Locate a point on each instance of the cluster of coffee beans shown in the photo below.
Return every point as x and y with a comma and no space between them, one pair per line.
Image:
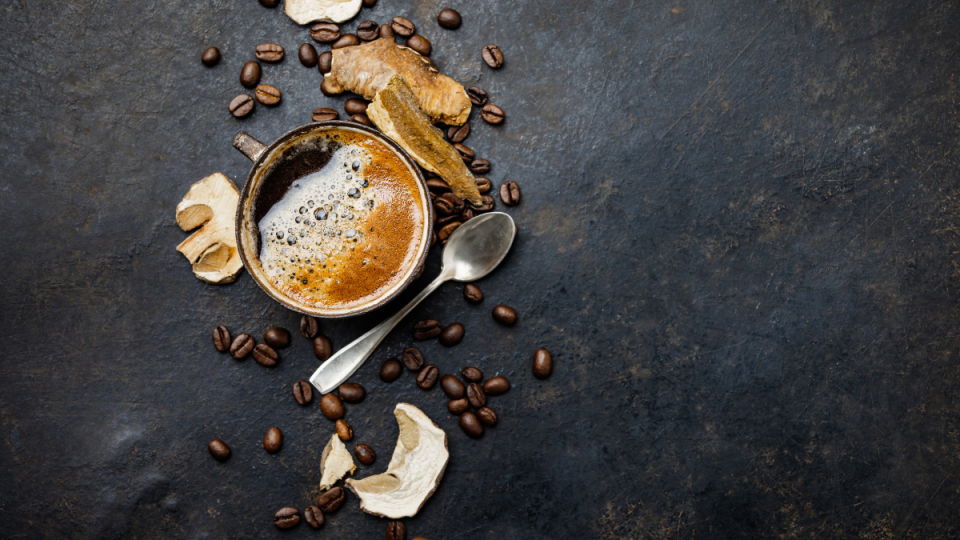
244,344
328,501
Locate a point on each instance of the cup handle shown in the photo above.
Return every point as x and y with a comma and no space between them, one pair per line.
248,146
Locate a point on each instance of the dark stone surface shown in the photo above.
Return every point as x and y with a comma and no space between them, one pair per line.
737,236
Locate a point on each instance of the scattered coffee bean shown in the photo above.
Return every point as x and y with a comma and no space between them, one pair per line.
427,376
487,204
273,440
471,425
449,19
472,293
368,31
390,370
467,215
303,392
510,193
313,516
355,106
325,32
241,106
472,374
269,52
466,153
492,114
322,348
326,91
331,407
346,40
403,27
492,56
265,355
447,230
457,406
218,449
308,55
458,134
443,207
442,221
269,3
361,119
286,518
480,166
504,315
369,3
452,387
483,184
344,431
331,499
210,57
496,385
477,96
266,94
487,416
475,395
324,114
396,531
250,74
458,203
276,337
242,345
364,454
433,238
426,329
452,335
420,44
309,327
351,392
386,32
412,358
324,62
542,364
221,338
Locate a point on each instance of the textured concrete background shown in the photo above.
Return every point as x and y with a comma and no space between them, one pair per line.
738,235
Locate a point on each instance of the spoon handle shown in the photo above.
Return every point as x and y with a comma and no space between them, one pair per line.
340,366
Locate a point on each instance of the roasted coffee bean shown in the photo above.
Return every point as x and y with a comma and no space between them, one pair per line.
452,334
487,416
477,96
447,230
420,44
221,338
480,166
458,134
449,19
303,392
458,203
273,440
487,204
351,392
346,40
472,293
457,406
472,374
390,370
269,52
466,153
496,385
427,376
269,3
355,106
542,364
475,395
313,516
442,221
426,329
386,32
368,31
412,358
510,193
324,62
242,346
443,207
309,327
471,425
276,337
483,184
324,114
241,106
266,94
452,387
210,57
344,431
504,315
492,114
364,454
361,119
286,518
369,3
325,32
331,499
467,215
265,355
218,449
433,238
396,531
250,74
492,56
326,91
322,348
403,27
331,407
308,55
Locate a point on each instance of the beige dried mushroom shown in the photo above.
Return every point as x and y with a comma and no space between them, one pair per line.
335,463
211,202
308,11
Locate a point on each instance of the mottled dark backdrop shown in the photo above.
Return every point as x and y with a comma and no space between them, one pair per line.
738,236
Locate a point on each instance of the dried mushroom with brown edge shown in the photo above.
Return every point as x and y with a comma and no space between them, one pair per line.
308,11
212,203
415,469
335,463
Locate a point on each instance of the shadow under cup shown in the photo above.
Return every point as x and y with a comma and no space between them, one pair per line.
334,219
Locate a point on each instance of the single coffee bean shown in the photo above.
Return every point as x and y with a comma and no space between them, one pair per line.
472,374
386,31
426,329
269,3
452,334
446,231
487,416
442,220
403,27
286,518
218,449
504,315
368,31
458,406
273,440
361,119
346,40
241,106
242,345
322,348
221,338
492,56
303,392
351,392
313,516
467,215
475,395
443,207
510,193
466,153
369,3
331,499
265,355
483,184
480,166
344,431
308,55
324,62
420,44
472,293
477,96
276,337
471,425
458,203
449,19
458,134
355,106
331,407
324,114
433,238
250,74
496,385
427,376
396,531
390,370
266,94
452,387
487,204
492,114
325,32
412,358
364,454
326,91
269,52
542,363
210,57
309,327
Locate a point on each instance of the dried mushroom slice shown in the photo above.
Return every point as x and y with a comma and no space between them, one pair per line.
308,11
335,463
212,203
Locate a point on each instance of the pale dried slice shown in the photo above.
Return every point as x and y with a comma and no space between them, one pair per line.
414,472
395,111
211,202
308,11
335,463
366,69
